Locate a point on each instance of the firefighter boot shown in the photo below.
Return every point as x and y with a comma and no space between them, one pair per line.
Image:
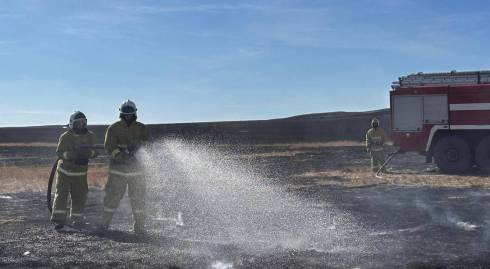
106,221
139,224
78,222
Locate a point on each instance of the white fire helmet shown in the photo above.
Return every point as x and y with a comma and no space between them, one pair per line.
375,122
128,107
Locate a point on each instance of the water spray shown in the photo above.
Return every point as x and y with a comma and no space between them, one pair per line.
225,199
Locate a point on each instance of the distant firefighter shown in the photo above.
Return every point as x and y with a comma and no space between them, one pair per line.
71,176
122,140
375,140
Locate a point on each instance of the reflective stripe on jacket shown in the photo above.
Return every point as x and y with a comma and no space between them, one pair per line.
375,139
126,174
70,141
120,136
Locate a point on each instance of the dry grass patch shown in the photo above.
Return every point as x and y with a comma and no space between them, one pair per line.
27,145
352,177
315,145
289,153
438,180
19,179
331,144
292,149
363,176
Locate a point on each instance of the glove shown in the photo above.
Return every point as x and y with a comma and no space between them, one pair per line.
70,155
82,156
124,157
134,146
86,153
118,157
130,158
81,161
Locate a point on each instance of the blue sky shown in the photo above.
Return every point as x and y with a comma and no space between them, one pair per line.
188,61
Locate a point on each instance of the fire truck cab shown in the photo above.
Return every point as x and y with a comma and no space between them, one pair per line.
444,116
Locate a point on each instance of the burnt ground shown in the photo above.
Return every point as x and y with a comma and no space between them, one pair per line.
450,230
403,225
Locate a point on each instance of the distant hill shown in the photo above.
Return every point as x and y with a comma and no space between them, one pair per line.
302,128
340,115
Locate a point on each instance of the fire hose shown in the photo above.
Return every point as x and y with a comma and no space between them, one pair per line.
53,172
388,160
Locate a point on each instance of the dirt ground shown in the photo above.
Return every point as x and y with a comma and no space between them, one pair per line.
410,218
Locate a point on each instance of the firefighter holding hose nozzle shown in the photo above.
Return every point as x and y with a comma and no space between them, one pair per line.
122,141
375,140
71,171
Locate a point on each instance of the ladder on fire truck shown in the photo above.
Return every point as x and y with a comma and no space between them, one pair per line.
450,78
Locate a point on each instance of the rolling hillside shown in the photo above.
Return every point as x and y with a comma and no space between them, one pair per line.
302,128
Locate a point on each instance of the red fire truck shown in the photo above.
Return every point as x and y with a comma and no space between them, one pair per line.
444,116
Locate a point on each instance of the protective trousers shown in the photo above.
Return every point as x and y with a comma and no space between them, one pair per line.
77,187
377,159
114,192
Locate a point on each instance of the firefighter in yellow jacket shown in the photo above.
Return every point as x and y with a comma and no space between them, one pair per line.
375,140
71,177
122,141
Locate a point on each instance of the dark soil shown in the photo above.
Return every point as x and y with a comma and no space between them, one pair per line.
403,227
420,228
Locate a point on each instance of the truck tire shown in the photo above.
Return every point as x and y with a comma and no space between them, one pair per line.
453,155
482,155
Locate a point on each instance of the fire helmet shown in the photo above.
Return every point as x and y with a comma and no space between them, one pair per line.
128,107
77,116
375,123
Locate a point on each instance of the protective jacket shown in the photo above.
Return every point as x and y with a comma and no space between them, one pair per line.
375,139
73,156
121,143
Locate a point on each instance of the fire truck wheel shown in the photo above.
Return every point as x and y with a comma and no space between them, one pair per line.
482,155
453,155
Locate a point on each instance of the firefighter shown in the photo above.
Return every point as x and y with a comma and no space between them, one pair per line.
122,141
375,140
71,174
